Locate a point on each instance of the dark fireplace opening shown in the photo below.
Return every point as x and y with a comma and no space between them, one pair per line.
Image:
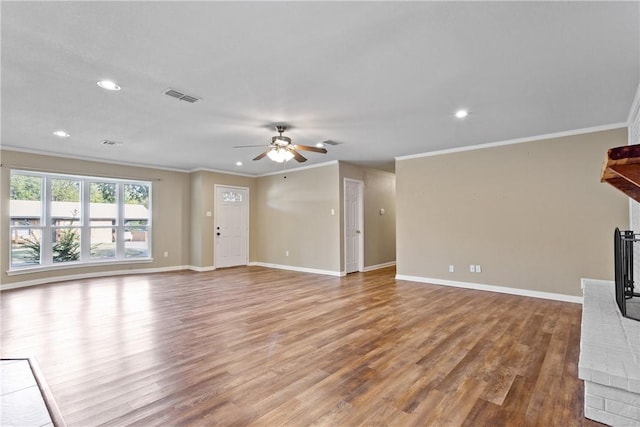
628,300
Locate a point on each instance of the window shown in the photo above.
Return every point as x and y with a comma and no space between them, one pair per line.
67,220
102,212
232,196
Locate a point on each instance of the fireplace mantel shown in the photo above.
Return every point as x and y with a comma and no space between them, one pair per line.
622,170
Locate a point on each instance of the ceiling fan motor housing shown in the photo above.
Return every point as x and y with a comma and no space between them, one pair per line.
280,140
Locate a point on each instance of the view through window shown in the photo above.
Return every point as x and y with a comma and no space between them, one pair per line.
58,219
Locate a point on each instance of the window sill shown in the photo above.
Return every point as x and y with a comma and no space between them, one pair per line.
68,265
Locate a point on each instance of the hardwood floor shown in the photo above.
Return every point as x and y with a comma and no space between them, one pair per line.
255,346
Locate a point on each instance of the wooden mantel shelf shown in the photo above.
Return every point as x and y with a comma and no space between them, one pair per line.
622,170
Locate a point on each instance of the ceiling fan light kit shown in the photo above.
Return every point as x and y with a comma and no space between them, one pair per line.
280,155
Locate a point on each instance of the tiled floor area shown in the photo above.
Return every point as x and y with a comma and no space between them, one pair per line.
21,403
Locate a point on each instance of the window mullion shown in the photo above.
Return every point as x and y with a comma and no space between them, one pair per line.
85,230
46,240
120,222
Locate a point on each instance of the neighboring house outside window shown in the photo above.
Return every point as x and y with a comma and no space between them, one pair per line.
75,220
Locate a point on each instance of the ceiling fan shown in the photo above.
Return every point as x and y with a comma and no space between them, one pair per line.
282,150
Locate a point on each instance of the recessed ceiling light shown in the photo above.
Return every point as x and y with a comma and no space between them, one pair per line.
320,145
61,134
108,85
238,163
461,114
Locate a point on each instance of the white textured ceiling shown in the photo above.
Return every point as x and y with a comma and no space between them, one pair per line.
383,78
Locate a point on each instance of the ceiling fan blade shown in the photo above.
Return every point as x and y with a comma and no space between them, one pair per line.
299,157
262,155
307,148
246,146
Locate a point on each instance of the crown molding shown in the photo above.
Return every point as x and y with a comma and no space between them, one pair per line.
90,159
515,141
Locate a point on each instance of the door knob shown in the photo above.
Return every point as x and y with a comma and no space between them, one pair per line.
218,233
357,231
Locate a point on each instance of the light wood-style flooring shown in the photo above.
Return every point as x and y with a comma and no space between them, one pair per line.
263,347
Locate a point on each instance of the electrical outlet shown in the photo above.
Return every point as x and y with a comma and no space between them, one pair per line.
451,269
286,253
472,268
166,254
478,269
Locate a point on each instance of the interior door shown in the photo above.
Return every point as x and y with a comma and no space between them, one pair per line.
231,226
353,225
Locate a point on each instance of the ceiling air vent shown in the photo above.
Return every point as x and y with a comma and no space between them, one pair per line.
181,96
110,143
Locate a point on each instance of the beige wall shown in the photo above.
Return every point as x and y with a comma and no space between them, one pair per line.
534,215
202,200
379,230
294,214
198,220
170,210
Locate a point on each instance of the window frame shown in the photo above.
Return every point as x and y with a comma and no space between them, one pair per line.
84,224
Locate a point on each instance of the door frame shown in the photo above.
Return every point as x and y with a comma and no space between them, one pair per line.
216,188
360,215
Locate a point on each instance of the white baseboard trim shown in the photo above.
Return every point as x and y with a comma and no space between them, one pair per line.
93,274
201,269
300,269
379,266
492,288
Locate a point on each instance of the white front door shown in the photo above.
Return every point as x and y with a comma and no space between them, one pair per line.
353,225
231,226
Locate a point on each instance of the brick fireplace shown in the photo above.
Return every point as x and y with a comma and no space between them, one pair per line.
609,358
